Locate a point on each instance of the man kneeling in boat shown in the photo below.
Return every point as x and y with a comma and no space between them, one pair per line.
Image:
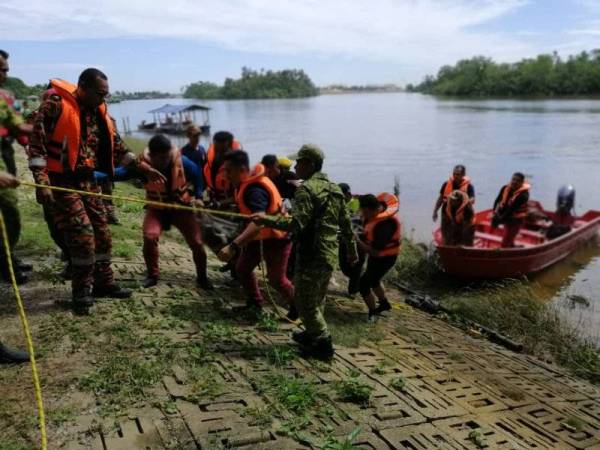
457,225
179,184
510,208
381,241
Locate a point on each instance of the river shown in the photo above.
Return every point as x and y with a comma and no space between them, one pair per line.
369,139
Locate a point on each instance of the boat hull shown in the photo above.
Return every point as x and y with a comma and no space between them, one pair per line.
494,263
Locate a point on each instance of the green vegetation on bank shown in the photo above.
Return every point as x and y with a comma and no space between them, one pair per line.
545,75
20,89
256,85
509,307
141,95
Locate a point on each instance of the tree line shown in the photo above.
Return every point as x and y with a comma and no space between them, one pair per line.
545,75
21,90
256,85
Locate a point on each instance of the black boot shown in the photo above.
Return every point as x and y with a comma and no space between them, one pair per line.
384,305
321,349
353,285
11,356
67,272
21,265
204,283
292,314
301,337
20,276
150,282
112,291
373,315
82,301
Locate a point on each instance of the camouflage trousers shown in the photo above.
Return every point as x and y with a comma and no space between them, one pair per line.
107,188
12,220
310,289
83,220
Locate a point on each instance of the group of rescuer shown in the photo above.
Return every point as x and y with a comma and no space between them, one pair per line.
72,144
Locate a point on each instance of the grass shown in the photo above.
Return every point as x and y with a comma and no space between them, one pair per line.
399,383
512,309
332,443
354,390
509,307
122,380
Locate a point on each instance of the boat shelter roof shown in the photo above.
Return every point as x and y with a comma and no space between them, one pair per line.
174,109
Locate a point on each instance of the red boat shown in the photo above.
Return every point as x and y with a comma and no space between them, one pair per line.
533,251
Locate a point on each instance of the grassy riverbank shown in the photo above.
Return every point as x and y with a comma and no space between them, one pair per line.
509,307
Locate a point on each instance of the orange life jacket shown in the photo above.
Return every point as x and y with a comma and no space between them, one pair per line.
258,177
392,248
449,188
178,191
67,132
220,182
459,215
521,213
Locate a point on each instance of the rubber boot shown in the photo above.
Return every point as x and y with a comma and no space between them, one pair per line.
22,265
301,337
12,356
20,276
384,305
150,282
82,301
292,314
204,283
67,272
321,349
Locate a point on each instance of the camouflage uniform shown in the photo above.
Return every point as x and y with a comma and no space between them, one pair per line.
319,213
9,120
83,218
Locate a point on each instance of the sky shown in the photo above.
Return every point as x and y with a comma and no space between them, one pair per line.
143,45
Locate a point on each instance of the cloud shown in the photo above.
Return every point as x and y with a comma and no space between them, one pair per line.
415,32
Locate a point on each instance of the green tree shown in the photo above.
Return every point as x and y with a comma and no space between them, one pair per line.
256,84
545,75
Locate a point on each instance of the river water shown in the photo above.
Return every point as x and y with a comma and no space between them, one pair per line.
371,139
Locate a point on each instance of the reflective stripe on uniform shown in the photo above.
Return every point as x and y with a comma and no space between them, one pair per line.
37,162
82,261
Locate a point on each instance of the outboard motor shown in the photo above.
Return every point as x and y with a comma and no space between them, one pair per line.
564,216
565,201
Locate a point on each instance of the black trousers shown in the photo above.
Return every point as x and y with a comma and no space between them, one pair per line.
376,270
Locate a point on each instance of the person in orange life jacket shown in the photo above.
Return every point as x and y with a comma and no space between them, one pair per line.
217,185
353,272
381,242
458,228
286,181
73,136
178,184
510,208
256,193
457,181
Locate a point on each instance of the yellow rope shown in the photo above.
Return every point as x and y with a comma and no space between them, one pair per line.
24,323
214,212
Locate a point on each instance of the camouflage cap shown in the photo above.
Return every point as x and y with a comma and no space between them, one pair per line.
311,152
